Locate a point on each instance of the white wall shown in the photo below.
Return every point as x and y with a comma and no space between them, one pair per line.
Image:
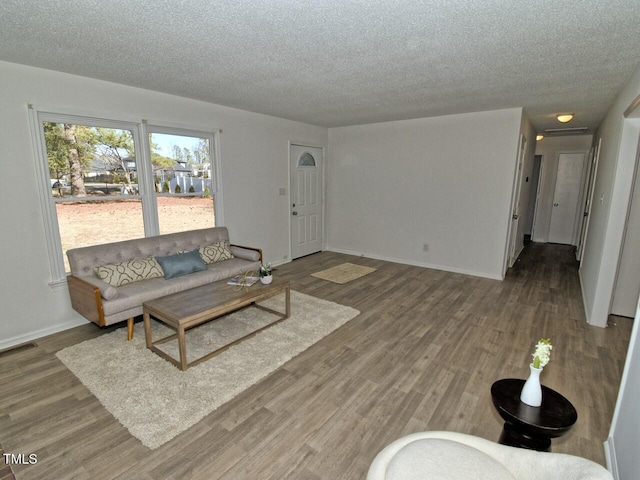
445,181
621,448
610,201
550,148
598,269
627,288
254,166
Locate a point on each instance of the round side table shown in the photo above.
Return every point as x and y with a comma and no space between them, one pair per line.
531,427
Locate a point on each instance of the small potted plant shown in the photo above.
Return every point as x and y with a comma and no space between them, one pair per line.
265,272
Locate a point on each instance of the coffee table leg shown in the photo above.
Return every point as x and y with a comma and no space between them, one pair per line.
182,348
147,329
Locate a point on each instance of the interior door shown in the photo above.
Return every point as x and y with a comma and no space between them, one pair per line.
566,198
306,200
591,183
515,247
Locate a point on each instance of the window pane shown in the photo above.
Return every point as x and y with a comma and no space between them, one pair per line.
306,160
177,214
90,160
183,181
92,223
87,164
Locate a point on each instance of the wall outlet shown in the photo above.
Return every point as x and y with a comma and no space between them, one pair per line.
425,247
283,191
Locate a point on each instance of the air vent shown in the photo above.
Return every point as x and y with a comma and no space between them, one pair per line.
566,131
17,349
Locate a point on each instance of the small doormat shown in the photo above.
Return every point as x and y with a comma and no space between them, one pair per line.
343,273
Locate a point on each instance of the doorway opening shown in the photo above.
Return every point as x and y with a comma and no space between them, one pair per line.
534,197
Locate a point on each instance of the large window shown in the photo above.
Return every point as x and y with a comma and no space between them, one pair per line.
104,181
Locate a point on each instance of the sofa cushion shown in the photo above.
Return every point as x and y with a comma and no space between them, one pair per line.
446,460
181,264
129,272
82,260
132,296
216,252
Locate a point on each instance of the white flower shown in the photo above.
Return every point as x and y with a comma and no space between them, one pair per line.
542,354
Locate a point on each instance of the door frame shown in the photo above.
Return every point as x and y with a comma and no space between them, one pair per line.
323,193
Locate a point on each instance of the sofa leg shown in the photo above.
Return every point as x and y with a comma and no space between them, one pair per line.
130,328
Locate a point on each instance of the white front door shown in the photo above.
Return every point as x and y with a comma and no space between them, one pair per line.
566,198
306,200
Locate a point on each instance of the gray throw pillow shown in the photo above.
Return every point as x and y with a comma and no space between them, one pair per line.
181,264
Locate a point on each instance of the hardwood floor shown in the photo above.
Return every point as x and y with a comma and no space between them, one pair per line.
422,355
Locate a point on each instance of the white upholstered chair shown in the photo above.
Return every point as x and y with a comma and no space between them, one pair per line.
451,455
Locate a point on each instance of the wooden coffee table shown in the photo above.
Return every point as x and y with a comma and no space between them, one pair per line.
190,308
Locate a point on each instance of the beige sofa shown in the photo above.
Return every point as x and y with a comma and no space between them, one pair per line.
453,455
105,304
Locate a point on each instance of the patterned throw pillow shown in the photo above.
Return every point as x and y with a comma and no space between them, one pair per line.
129,272
216,252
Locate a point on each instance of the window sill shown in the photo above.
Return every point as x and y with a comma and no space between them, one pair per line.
58,285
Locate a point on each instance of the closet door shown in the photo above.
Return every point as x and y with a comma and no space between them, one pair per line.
569,180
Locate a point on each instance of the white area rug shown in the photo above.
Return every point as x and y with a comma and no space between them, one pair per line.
155,401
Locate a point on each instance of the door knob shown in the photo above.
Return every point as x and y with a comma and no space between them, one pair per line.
555,204
294,213
515,216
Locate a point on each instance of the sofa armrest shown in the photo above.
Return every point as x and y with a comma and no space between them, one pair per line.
86,299
107,291
247,253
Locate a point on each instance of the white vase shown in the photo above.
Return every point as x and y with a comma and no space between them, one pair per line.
266,280
532,391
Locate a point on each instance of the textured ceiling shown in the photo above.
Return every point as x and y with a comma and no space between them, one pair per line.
341,62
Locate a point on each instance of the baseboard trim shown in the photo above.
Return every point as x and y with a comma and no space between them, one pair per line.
610,456
417,264
27,337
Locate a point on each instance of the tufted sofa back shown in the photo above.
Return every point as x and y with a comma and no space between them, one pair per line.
83,259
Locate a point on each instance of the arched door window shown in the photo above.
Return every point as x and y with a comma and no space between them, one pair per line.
306,160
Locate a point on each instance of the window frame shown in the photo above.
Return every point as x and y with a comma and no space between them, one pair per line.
216,184
146,193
